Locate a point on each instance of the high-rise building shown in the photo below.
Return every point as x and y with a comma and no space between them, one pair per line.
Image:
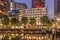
18,6
38,3
12,5
3,8
53,7
35,13
58,5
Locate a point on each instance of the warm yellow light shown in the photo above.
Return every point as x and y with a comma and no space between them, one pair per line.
16,27
10,37
12,34
0,11
13,27
22,27
16,34
22,34
58,18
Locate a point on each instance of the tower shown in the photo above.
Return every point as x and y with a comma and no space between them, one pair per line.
58,5
10,4
38,3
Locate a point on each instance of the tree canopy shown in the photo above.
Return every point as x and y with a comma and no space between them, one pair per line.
24,20
32,21
14,21
46,21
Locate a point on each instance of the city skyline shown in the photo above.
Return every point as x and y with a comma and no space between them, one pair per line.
29,20
48,3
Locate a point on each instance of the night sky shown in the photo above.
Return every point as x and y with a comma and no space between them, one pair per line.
48,3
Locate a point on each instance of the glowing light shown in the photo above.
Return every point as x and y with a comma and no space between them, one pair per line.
16,34
12,34
0,11
58,18
13,27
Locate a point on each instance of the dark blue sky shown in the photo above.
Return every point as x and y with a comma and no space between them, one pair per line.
48,3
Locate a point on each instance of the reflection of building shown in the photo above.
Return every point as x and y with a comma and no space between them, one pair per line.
38,3
36,13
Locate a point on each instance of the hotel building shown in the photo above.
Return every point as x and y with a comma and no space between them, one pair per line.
35,12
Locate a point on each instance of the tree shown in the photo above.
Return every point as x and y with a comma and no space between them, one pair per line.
5,21
14,21
46,21
24,20
1,15
32,21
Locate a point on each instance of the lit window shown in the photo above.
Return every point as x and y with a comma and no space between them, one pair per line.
11,4
11,8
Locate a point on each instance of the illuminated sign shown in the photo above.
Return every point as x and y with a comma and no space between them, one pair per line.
38,3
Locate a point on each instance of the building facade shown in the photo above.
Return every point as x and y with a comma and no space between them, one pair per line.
53,7
35,13
58,5
19,6
38,3
12,5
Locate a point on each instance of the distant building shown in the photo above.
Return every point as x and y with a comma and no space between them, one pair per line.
12,5
53,8
58,5
9,4
38,3
35,13
19,6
